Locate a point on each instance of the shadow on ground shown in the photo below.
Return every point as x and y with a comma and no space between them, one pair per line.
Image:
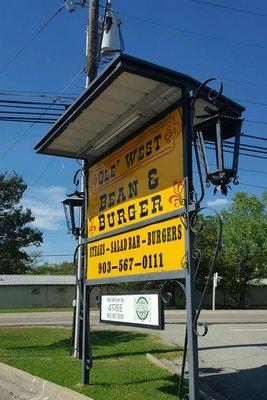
247,384
101,339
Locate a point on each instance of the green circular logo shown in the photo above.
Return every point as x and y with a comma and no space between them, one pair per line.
142,308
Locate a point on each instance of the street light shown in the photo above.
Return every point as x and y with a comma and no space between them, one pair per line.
218,129
73,205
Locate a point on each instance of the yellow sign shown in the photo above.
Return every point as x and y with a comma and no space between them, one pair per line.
138,183
156,248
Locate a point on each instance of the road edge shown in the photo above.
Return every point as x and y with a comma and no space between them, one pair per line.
21,383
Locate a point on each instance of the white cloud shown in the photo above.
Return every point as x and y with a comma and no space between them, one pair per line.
46,207
217,202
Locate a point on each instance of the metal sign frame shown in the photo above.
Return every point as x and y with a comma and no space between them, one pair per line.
194,99
161,319
176,213
186,274
185,277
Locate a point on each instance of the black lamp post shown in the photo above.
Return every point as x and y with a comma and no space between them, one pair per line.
73,205
218,129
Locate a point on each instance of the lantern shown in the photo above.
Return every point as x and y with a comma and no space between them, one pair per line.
218,129
73,207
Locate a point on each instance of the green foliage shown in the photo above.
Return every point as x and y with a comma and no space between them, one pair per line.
244,244
206,242
16,234
64,268
120,367
244,247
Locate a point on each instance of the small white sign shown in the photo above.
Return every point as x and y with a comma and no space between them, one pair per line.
132,309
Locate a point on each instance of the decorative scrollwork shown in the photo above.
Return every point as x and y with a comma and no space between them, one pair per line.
170,133
201,184
184,219
212,263
196,254
235,181
178,198
202,325
213,95
185,396
195,224
184,261
76,179
147,285
100,289
200,329
167,296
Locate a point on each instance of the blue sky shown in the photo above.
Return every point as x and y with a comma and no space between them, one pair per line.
185,35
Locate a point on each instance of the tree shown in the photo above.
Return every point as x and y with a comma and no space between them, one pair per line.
15,233
244,244
243,257
206,243
64,268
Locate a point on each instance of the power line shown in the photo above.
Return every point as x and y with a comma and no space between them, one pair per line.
28,120
243,154
242,169
251,102
31,103
250,147
250,155
39,176
252,170
8,103
29,93
242,10
27,107
44,25
34,122
255,122
254,186
188,32
241,183
254,137
244,82
56,255
28,113
243,146
24,111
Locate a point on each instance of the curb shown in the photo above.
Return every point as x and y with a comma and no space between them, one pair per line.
25,385
206,391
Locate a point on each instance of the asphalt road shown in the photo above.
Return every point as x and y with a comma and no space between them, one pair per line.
232,356
64,318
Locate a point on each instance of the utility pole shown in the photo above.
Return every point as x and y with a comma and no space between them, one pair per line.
91,71
92,49
92,42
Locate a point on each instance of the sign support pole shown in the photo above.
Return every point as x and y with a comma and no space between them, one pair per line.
86,361
192,341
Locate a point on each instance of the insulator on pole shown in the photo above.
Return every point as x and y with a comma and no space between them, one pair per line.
70,4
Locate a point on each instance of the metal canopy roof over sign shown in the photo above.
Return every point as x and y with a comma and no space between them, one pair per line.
125,97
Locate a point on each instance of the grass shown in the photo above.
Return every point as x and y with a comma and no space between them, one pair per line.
32,309
120,368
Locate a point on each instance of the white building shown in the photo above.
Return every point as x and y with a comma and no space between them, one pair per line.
22,291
